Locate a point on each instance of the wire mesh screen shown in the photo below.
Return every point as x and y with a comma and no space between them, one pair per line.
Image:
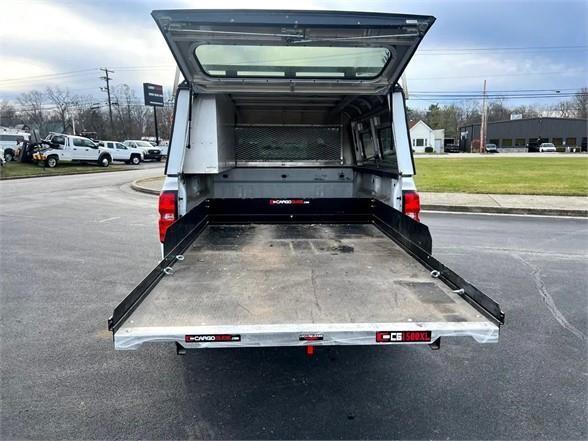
287,143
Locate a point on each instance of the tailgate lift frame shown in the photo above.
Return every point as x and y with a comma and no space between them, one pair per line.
412,236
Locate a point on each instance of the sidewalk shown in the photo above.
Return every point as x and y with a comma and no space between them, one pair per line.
506,203
148,185
464,202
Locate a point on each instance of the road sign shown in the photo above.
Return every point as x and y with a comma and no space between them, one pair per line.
153,94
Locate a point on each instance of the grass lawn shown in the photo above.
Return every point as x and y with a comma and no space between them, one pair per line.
503,175
15,169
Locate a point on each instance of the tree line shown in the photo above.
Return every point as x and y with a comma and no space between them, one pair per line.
451,117
56,109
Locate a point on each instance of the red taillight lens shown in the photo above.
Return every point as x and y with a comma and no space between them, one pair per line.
411,205
168,212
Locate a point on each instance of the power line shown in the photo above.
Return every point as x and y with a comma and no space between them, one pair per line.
15,82
561,72
145,66
505,98
43,76
553,89
450,51
583,46
498,95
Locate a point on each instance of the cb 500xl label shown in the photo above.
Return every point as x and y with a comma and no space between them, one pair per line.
288,202
212,338
403,336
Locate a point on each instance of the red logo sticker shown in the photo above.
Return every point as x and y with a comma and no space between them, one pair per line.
403,336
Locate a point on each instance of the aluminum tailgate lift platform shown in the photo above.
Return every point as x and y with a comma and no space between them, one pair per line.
259,272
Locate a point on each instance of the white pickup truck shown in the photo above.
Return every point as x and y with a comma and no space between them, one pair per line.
289,215
122,152
149,150
69,148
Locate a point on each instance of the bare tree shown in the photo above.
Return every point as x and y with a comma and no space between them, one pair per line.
565,109
92,116
497,111
470,113
526,111
32,108
580,103
415,115
165,116
124,100
64,103
8,116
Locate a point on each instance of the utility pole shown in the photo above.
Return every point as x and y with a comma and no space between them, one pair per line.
484,122
107,79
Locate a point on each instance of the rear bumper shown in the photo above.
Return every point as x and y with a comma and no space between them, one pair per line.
130,338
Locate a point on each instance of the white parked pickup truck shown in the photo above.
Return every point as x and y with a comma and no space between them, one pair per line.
69,148
121,152
289,214
149,151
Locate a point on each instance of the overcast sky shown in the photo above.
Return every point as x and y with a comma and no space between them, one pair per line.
41,39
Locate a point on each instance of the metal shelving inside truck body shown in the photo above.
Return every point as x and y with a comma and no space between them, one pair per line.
289,214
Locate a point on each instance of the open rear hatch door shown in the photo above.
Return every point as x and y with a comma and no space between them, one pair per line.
291,51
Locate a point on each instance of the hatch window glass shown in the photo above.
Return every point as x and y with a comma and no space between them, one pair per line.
369,150
234,61
386,140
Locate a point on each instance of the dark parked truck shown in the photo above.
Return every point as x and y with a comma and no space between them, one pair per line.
289,215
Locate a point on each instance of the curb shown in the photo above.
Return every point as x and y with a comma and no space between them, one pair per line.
507,210
11,178
136,185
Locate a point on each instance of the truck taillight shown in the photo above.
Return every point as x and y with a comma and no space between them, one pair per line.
168,211
411,204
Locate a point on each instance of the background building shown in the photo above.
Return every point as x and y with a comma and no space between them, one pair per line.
519,133
423,136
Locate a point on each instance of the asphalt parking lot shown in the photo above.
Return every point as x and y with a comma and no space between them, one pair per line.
73,246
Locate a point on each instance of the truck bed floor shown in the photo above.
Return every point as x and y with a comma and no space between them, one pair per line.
298,274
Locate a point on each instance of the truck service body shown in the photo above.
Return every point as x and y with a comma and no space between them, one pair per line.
289,214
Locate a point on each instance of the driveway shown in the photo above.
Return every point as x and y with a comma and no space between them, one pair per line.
73,247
